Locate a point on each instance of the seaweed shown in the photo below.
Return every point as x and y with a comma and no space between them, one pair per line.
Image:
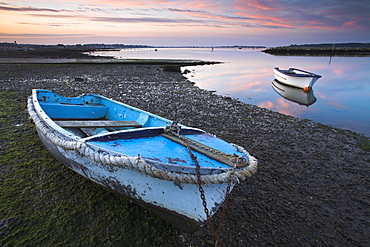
45,203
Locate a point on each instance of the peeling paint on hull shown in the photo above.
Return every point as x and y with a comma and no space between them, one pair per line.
180,205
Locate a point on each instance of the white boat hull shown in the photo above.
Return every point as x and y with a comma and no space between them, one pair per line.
179,204
296,77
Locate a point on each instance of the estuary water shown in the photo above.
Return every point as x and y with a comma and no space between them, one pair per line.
341,98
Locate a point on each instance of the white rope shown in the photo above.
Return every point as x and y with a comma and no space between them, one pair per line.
136,163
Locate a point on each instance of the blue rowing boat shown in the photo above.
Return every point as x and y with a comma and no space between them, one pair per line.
164,166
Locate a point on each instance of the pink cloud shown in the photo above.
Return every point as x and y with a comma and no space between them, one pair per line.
286,108
350,24
283,106
330,100
263,20
267,104
306,14
260,5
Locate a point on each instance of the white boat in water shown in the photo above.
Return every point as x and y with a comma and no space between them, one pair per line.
296,77
296,95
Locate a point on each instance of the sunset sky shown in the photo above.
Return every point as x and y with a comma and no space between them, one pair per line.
182,22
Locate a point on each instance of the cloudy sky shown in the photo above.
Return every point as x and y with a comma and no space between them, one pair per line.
182,22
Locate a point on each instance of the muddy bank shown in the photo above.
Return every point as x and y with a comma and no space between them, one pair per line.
312,187
60,55
41,52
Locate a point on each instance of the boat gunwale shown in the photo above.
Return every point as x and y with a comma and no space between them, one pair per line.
45,117
52,124
66,140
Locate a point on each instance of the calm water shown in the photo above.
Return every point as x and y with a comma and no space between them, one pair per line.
343,92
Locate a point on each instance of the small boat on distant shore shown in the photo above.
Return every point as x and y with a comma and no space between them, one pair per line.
181,173
296,77
296,95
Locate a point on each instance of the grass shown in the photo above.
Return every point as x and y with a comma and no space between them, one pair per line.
365,144
44,203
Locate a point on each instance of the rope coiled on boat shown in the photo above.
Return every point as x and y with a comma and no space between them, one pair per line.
136,163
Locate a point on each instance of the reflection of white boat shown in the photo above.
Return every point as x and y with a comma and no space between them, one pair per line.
294,94
296,77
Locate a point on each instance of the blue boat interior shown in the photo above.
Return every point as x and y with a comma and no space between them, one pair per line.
151,145
86,109
114,127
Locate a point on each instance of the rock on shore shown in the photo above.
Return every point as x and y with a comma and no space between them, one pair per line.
312,187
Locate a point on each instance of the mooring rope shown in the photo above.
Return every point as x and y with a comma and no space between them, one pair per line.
137,163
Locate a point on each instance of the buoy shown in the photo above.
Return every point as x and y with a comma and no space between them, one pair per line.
306,89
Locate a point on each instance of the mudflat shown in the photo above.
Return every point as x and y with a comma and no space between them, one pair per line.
312,187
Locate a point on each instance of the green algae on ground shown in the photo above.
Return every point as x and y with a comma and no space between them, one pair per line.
44,203
365,144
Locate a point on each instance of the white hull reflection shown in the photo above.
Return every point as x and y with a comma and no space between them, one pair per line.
296,95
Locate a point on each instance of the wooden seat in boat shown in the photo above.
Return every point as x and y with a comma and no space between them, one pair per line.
97,124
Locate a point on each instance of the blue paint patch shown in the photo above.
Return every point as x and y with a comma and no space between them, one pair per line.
161,149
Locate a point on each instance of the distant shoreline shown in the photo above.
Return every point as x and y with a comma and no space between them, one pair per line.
79,55
341,49
61,51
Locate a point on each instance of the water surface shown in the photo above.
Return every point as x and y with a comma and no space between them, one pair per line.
343,92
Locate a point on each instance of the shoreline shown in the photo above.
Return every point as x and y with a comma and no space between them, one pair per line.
328,50
311,186
79,56
168,62
81,52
